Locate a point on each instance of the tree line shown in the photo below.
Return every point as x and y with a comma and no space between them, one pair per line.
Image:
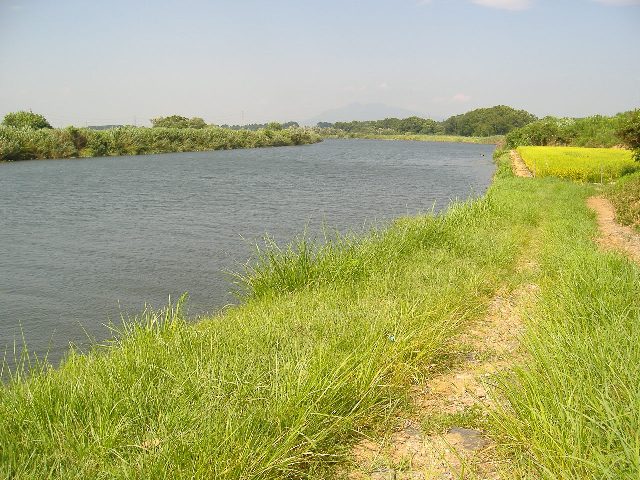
27,135
178,121
482,122
519,126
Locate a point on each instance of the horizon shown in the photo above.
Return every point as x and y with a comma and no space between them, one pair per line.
243,63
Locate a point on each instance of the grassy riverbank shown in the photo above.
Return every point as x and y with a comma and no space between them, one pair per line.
71,142
325,345
328,342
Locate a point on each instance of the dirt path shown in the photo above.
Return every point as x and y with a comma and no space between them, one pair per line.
518,166
612,234
442,437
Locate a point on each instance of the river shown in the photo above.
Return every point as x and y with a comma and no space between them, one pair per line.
87,241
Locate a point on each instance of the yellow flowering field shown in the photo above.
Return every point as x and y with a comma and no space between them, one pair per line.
576,163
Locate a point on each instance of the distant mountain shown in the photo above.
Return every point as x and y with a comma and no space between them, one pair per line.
361,111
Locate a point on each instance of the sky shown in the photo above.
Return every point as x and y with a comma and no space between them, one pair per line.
243,61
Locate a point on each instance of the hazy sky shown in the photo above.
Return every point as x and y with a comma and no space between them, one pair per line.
125,61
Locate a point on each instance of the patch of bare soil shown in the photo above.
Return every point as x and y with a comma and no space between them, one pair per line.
612,234
518,166
418,451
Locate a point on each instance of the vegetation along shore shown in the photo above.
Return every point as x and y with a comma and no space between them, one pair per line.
493,140
332,342
27,136
499,124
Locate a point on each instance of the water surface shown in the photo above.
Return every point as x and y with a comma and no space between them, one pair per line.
84,241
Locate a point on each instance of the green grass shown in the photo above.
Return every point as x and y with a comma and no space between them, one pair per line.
581,164
572,410
325,345
625,196
329,339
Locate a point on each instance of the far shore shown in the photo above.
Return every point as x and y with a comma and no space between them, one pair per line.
492,140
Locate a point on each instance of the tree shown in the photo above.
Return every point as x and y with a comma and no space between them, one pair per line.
274,126
178,121
197,122
24,119
482,122
417,125
629,131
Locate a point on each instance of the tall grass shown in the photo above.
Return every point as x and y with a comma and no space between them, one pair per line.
27,144
572,410
581,164
325,345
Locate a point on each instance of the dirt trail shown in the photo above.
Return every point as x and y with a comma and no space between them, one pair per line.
518,166
612,234
430,442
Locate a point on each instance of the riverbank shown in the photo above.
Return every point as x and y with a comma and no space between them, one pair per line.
493,140
29,144
330,343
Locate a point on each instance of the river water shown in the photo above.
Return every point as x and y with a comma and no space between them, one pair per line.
87,241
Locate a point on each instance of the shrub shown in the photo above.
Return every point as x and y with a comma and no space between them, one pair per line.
629,131
595,131
26,143
25,119
625,196
178,121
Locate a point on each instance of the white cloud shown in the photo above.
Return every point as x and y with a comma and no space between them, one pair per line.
506,4
618,2
515,5
461,98
457,98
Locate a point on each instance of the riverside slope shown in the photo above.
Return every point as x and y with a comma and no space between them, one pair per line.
331,344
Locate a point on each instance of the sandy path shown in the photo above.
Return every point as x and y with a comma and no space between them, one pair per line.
518,166
612,234
416,452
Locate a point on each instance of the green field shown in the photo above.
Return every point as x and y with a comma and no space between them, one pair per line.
581,164
328,342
